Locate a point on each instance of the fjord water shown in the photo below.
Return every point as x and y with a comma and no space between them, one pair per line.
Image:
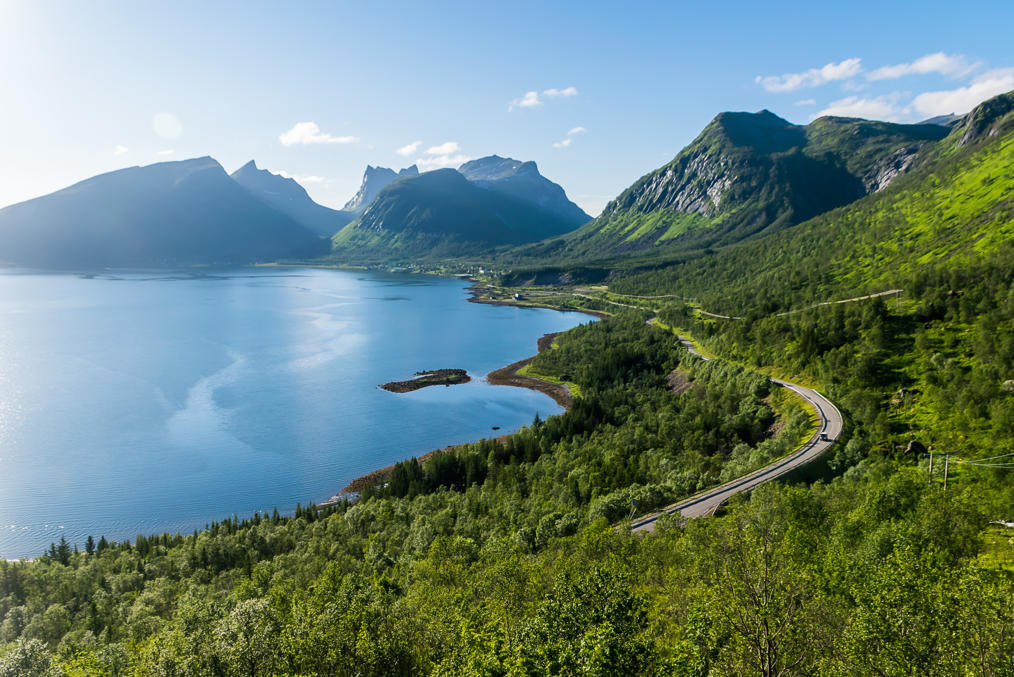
143,403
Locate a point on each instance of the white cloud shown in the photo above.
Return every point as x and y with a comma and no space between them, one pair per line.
529,100
409,149
440,161
806,102
165,153
309,132
944,64
874,108
814,77
576,130
964,99
563,144
554,93
445,148
120,150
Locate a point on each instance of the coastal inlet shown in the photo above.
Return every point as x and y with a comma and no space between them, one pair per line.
437,377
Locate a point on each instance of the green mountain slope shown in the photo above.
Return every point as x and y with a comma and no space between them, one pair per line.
745,175
956,206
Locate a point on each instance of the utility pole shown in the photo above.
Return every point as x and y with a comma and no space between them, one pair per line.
947,460
931,468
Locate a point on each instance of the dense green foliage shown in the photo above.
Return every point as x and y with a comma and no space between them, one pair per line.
501,559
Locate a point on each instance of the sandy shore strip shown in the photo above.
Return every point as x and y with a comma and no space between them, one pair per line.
475,296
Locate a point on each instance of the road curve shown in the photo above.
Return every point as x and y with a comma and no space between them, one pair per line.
706,503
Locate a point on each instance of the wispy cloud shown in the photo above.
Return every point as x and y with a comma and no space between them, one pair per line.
806,102
963,99
120,150
309,133
872,108
954,65
532,98
165,153
555,93
570,137
409,149
790,82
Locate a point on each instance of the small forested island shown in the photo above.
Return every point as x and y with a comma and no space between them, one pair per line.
437,377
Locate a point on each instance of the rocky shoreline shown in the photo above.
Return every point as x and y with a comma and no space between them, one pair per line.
423,379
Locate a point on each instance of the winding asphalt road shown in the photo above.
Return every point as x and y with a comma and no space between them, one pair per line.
706,503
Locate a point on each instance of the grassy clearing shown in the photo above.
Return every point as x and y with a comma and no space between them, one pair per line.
575,389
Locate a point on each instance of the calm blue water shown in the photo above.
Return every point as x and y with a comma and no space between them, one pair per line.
143,403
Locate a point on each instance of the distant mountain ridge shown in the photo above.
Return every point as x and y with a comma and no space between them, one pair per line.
288,197
523,181
188,212
375,179
489,202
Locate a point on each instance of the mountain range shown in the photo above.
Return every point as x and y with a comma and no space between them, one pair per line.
192,213
486,203
746,176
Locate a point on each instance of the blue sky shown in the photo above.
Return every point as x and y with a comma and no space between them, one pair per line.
597,93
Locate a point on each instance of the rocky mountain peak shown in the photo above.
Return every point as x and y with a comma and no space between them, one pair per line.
375,179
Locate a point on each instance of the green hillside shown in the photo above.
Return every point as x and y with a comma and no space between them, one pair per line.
955,208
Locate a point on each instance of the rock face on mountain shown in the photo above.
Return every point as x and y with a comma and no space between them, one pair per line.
375,179
166,214
523,181
750,173
290,198
988,119
443,213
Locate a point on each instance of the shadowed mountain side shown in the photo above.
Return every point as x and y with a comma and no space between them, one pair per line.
291,199
171,213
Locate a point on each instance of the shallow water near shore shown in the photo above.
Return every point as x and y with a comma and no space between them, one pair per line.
148,402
